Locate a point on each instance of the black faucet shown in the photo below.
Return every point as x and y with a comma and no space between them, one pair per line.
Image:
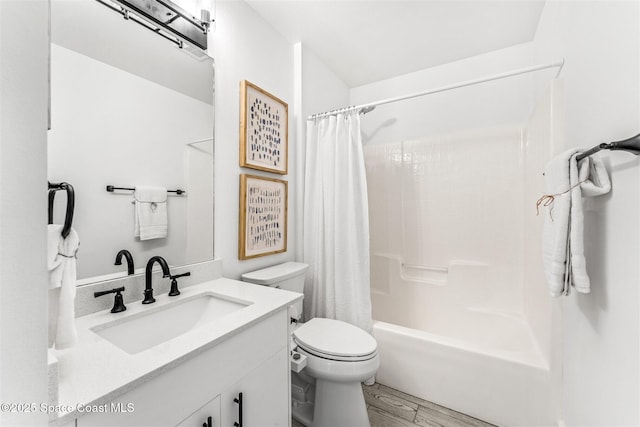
127,255
148,290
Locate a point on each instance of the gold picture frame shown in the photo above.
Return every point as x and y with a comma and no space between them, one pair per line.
263,216
264,129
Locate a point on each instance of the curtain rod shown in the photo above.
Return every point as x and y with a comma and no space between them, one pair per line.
365,108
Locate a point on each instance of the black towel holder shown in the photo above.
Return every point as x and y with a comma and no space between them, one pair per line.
631,145
68,218
111,189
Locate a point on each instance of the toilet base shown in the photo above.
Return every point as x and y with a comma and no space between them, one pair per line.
339,404
321,403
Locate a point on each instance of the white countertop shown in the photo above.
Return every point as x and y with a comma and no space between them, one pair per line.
95,371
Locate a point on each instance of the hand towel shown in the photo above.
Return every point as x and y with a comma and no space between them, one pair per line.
567,181
150,212
61,260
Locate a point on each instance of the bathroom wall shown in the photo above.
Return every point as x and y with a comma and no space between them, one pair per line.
322,90
506,101
294,74
601,44
23,166
543,135
245,47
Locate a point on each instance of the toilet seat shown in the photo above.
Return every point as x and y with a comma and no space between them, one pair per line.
335,340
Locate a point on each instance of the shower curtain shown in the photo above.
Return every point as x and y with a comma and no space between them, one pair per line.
336,222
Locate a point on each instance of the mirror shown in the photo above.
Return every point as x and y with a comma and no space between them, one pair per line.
129,108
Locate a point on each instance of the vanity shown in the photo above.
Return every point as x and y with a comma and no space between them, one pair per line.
227,364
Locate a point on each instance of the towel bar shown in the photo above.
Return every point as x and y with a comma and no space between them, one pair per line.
111,188
632,145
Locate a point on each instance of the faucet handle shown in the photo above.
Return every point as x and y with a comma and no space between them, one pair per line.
174,283
118,303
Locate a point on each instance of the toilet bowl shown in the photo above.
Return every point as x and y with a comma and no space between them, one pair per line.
338,356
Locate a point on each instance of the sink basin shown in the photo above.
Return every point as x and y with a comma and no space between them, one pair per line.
160,324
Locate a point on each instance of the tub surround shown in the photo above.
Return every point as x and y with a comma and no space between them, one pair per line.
95,371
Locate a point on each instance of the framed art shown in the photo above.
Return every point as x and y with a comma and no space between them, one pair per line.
263,216
263,130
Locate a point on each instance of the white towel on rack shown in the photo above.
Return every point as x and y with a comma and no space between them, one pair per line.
150,220
61,261
563,241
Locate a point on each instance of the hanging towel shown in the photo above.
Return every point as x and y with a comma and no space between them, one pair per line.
567,181
150,220
61,261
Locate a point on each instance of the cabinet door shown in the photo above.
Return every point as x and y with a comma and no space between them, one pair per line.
208,415
265,395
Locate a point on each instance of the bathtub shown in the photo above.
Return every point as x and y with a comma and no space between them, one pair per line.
504,383
450,336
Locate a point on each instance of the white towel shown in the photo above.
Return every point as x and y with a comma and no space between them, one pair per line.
563,242
150,220
61,261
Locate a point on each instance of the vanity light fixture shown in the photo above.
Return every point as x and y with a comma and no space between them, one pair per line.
168,19
206,7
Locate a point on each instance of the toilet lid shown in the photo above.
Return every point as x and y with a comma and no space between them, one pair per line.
334,338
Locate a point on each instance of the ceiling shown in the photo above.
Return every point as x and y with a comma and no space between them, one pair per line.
364,41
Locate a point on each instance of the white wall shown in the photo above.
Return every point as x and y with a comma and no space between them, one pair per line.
23,165
112,127
506,101
245,47
600,41
322,90
543,136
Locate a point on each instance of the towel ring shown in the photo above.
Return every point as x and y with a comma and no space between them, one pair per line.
68,218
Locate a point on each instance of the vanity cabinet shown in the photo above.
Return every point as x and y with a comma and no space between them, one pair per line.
208,415
206,383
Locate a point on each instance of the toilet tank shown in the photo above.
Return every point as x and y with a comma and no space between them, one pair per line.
288,276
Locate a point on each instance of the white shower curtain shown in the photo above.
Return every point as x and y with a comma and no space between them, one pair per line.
336,222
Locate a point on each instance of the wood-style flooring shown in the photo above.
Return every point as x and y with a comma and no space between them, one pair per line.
388,407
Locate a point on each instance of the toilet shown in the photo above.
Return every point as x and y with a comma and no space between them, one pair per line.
335,357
